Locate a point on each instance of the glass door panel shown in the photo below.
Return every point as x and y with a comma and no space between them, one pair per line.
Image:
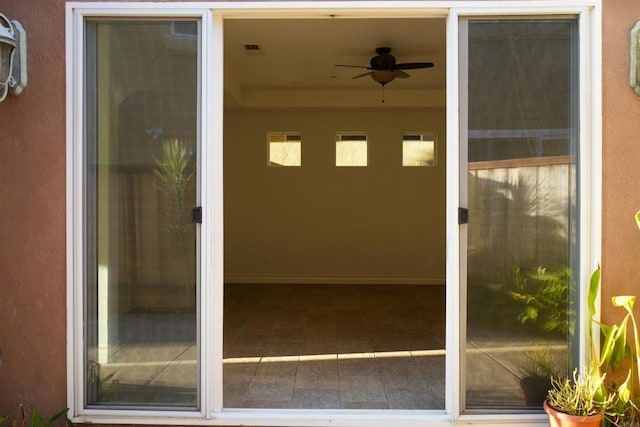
141,174
521,183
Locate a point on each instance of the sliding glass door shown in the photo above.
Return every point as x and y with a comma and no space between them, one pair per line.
141,174
519,164
165,324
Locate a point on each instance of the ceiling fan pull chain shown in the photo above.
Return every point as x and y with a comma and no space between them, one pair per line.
382,93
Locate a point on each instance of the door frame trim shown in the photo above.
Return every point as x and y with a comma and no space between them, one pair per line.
212,248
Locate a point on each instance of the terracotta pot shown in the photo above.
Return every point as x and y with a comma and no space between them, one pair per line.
560,419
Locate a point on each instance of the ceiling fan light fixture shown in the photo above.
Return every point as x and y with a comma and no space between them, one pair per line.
383,76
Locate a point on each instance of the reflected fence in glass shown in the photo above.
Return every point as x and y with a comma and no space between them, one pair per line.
521,185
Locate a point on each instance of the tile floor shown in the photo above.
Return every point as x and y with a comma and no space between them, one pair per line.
334,347
317,347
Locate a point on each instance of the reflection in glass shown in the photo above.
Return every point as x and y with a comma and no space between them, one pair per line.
141,116
522,196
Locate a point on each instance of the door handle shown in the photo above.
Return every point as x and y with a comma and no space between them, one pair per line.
463,216
196,215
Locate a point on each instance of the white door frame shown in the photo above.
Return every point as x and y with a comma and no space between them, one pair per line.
212,240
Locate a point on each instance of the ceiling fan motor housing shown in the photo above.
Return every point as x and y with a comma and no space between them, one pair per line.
384,60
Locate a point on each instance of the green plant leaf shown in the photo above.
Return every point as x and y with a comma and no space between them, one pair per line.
600,391
624,390
594,287
625,301
609,344
532,313
604,328
57,416
620,346
36,418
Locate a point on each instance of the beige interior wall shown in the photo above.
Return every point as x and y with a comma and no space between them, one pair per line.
318,223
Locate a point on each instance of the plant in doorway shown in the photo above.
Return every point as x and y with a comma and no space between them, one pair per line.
608,386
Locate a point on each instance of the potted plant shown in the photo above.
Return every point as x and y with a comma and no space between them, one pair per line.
593,390
536,376
576,401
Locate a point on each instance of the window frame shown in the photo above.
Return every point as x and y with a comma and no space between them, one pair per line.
351,137
212,15
286,135
434,140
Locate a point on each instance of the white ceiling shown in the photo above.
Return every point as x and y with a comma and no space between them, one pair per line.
296,64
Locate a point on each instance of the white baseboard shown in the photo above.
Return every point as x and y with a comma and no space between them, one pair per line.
332,280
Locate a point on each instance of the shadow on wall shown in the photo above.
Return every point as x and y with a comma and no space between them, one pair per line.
518,245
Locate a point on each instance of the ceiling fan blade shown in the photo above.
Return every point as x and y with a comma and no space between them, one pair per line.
413,65
401,74
361,75
352,66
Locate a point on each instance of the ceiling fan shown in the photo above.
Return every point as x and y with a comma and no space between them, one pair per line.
383,67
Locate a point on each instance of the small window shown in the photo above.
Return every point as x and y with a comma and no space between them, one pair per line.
419,149
285,149
351,149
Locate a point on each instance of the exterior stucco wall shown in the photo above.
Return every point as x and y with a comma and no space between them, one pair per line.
32,225
32,200
621,155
